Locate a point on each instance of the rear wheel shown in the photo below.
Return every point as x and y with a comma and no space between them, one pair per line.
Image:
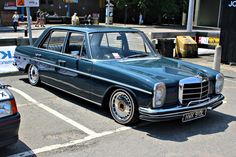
123,107
33,75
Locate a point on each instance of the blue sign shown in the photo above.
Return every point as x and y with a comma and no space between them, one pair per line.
5,55
7,59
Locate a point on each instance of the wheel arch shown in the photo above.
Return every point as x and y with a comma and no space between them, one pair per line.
27,68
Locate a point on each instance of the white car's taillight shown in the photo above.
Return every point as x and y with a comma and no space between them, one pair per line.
8,108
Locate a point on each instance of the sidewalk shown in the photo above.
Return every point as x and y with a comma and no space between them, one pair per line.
147,29
8,33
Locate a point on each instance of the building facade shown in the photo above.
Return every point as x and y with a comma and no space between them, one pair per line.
59,7
207,13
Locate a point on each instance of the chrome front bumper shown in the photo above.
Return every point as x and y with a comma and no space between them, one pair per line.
149,114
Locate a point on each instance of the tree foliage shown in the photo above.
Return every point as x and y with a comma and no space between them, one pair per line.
163,6
155,8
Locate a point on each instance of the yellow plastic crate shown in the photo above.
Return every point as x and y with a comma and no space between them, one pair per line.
186,47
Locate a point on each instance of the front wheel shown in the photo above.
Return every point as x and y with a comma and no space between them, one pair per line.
123,107
33,75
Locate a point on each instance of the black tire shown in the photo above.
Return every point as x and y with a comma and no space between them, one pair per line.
123,107
33,75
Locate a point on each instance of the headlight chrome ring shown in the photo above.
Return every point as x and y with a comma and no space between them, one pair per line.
219,83
159,95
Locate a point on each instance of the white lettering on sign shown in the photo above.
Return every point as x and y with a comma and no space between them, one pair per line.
4,95
7,59
232,4
27,3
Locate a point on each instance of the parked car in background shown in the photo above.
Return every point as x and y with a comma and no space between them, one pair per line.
9,118
119,68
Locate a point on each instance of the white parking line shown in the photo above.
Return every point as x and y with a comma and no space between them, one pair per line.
68,144
55,113
26,96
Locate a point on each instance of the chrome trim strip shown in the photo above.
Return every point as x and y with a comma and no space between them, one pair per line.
99,104
193,81
178,109
71,85
196,87
94,76
198,101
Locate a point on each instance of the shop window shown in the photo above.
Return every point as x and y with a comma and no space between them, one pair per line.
50,2
42,1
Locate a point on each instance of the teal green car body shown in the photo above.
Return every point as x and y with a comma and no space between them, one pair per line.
94,80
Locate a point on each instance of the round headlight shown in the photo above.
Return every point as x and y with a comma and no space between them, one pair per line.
159,95
219,83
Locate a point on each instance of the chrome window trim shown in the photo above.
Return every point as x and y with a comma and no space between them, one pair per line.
94,76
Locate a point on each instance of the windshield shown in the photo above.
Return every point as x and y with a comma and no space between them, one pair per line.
119,45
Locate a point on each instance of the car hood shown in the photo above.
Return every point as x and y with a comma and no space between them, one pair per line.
160,69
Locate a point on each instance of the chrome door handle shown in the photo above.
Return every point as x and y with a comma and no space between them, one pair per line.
38,55
61,62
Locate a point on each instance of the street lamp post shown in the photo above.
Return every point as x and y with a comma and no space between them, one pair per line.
29,25
126,9
108,14
68,7
190,16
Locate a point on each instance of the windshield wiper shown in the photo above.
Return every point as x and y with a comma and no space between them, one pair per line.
138,55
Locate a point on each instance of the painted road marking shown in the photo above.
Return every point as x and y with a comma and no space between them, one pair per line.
70,143
26,96
55,113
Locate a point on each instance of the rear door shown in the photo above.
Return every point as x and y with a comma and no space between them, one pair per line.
64,62
49,56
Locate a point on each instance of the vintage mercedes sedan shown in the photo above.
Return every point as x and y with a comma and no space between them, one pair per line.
119,68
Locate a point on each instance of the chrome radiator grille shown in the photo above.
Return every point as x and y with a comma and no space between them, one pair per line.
193,89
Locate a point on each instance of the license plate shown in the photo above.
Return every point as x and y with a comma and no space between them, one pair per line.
196,114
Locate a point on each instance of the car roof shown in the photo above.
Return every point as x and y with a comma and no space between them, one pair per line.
95,29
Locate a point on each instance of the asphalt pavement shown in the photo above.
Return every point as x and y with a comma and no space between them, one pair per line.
57,124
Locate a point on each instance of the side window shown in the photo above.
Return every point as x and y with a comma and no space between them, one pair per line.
76,45
136,43
112,40
115,40
104,41
55,41
45,44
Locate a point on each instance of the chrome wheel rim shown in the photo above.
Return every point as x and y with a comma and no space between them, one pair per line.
33,74
122,106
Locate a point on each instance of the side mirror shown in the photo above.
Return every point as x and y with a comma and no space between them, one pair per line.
119,38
